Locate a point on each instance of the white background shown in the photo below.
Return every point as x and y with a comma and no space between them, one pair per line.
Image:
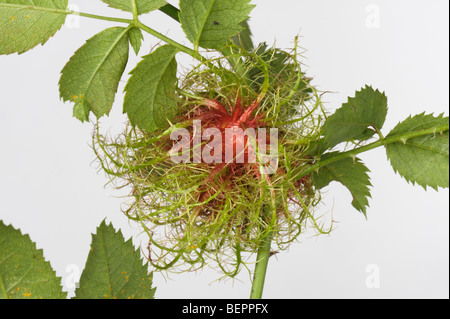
50,187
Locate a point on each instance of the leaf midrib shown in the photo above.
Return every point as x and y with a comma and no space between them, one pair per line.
134,8
105,56
159,76
424,147
6,290
105,256
202,26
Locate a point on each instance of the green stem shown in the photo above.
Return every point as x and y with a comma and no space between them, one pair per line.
399,138
66,12
167,9
173,43
135,10
98,17
262,259
149,30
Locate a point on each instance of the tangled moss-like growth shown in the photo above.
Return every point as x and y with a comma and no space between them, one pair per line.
196,213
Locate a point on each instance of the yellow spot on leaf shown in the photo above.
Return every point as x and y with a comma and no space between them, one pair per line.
12,18
27,294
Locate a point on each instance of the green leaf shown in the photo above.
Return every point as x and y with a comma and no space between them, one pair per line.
350,173
150,99
91,77
244,38
211,23
142,6
423,160
24,273
26,23
317,147
114,269
81,111
353,120
135,36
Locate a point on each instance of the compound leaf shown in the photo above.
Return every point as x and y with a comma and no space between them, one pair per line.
24,273
114,269
150,99
26,23
353,120
425,159
211,23
141,6
91,77
350,173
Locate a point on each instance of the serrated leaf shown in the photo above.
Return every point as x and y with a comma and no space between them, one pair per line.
211,23
114,269
135,36
425,159
150,99
81,112
91,77
353,120
142,6
26,23
350,173
24,273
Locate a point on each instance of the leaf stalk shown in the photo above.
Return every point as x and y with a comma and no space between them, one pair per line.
398,138
262,260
